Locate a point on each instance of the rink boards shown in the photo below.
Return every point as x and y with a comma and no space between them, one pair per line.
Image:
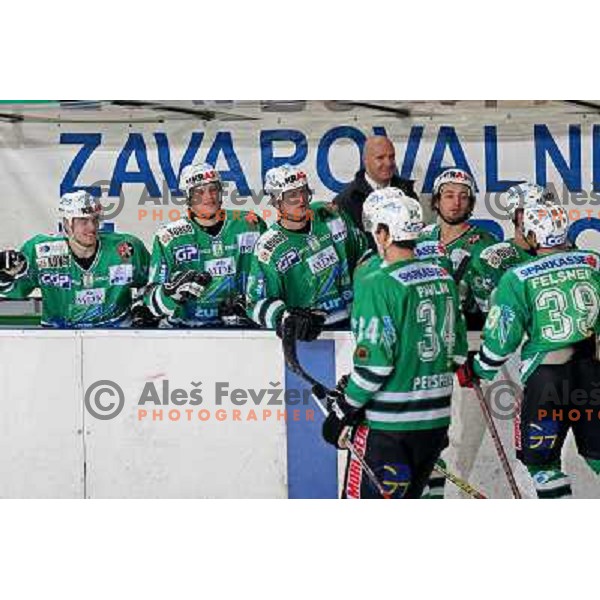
208,414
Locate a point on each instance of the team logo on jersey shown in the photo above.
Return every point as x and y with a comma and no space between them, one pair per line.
120,274
185,253
473,239
217,249
338,230
60,280
322,260
246,241
361,352
46,249
173,230
220,267
125,250
90,297
53,262
592,261
288,260
268,243
499,321
496,254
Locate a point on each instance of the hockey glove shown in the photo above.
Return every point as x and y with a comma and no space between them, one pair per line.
142,317
341,419
233,313
304,324
465,373
185,285
12,264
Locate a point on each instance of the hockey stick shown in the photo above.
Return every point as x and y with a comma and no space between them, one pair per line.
461,484
514,488
319,392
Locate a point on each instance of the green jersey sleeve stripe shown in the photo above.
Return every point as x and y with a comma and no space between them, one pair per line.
162,303
488,357
367,374
273,312
364,384
378,370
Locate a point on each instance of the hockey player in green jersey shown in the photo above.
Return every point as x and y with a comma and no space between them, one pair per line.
453,200
302,266
488,266
86,277
454,241
410,337
553,303
200,264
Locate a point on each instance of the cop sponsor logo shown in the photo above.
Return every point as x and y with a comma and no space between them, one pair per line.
90,297
185,253
322,260
338,230
220,267
59,280
288,260
120,274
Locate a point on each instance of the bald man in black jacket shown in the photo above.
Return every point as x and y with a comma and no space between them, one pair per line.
379,161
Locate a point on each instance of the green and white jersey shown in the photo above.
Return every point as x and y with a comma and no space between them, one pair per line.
74,297
488,266
410,336
551,301
184,245
459,251
370,262
305,269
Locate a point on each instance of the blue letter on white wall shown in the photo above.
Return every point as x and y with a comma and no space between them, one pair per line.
545,145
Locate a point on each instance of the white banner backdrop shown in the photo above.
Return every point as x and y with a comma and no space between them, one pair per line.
135,167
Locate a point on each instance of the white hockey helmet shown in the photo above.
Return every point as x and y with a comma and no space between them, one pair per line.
401,214
78,204
197,174
527,194
454,175
284,178
549,224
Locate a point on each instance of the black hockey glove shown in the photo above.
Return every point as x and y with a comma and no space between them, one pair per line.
185,285
233,313
142,317
341,417
12,264
304,324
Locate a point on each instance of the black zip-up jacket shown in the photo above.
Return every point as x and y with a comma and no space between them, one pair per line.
351,199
